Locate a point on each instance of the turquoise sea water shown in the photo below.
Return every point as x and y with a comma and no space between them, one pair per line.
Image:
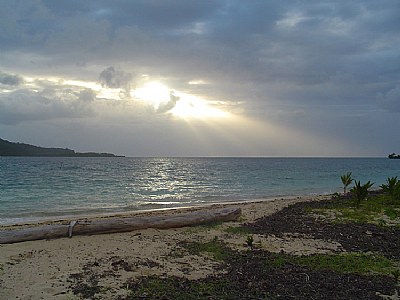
37,188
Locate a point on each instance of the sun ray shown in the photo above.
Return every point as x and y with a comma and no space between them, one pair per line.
192,107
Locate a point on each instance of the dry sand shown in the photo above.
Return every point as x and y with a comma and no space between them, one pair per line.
43,269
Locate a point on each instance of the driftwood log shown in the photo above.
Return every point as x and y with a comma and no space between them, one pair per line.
112,225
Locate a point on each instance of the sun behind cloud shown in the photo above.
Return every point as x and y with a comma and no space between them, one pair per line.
177,104
153,93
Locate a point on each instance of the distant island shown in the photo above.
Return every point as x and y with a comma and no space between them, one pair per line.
394,156
19,149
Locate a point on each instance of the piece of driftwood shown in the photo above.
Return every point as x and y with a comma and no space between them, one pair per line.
112,225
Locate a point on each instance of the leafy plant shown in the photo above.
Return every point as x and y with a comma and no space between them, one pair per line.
346,180
392,188
360,192
392,213
249,241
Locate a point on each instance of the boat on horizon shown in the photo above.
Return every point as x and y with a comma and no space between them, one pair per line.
394,156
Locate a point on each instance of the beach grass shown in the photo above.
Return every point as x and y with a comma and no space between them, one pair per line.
356,263
214,248
376,209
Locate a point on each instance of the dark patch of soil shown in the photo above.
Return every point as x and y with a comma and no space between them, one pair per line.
86,283
291,281
352,236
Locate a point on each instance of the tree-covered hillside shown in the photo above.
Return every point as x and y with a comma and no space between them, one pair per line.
19,149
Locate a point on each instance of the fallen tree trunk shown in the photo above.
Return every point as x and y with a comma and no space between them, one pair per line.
112,225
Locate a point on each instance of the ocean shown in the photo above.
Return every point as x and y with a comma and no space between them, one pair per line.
37,188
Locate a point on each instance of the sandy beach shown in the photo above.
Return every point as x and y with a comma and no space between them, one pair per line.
43,269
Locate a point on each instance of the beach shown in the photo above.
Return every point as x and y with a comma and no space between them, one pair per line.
42,269
110,266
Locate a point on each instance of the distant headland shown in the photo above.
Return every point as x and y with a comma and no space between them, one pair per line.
19,149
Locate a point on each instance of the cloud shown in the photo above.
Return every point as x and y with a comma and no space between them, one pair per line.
10,80
48,100
52,99
391,99
280,61
159,15
112,78
166,106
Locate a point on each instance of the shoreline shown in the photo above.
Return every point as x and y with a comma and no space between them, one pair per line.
276,241
45,267
65,219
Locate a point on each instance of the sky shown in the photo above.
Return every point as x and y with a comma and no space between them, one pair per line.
202,78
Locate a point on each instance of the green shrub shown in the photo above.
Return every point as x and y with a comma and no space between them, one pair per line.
360,192
392,188
249,240
346,180
392,213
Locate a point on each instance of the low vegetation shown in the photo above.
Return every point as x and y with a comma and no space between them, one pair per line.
357,263
392,189
375,210
154,287
346,180
238,230
214,248
380,207
362,269
360,192
255,274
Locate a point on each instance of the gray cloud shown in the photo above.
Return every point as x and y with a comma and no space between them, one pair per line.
50,102
112,78
391,99
10,79
159,15
166,106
